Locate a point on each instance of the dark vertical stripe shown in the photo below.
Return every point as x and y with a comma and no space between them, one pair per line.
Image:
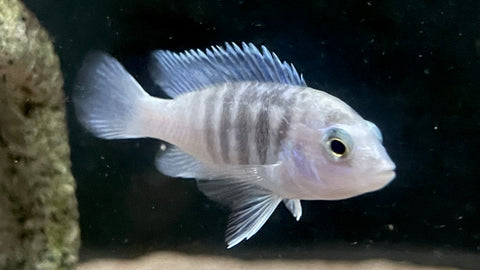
243,123
209,132
262,126
262,135
225,124
284,126
282,131
265,133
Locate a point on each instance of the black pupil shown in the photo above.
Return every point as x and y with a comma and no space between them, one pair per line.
337,147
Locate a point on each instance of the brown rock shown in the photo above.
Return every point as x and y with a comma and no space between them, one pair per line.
38,209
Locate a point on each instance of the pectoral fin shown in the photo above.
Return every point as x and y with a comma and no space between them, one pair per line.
294,207
236,186
251,206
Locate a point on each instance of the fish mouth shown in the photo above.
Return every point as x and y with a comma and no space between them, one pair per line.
387,174
381,179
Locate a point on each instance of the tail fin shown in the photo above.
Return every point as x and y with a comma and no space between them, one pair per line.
107,98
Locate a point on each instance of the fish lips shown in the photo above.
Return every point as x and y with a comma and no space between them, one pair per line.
383,178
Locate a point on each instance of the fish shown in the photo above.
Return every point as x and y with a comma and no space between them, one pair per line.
241,122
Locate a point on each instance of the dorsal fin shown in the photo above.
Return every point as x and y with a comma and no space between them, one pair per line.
178,73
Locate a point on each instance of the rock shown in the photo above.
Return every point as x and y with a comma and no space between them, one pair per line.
38,209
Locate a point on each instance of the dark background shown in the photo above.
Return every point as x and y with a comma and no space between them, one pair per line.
411,67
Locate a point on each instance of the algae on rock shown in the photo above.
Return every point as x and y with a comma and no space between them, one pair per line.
38,209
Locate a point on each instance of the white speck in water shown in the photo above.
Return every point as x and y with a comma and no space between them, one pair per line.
426,71
102,157
163,147
420,55
369,3
435,127
109,21
390,227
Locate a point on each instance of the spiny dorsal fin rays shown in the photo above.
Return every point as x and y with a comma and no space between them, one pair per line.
252,68
179,73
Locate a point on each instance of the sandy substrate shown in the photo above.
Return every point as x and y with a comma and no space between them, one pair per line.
173,260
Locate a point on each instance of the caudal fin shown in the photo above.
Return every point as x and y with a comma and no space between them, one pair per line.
107,98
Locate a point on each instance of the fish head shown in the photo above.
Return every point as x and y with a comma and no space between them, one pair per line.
339,153
353,160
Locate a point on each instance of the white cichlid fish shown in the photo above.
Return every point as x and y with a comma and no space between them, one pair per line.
244,124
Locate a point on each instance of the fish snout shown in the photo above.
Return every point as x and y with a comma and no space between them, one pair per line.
385,171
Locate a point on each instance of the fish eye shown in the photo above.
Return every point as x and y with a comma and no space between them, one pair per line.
338,143
337,147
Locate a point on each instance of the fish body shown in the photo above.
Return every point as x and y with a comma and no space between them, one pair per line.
244,124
